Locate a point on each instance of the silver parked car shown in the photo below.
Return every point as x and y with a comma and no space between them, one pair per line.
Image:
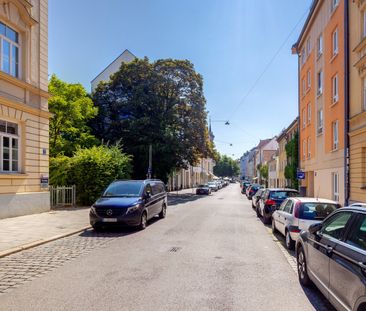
296,214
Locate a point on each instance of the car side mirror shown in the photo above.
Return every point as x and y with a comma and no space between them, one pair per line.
314,228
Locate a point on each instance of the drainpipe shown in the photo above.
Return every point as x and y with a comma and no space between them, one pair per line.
346,103
299,125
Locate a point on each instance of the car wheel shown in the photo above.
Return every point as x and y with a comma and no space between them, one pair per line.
257,211
302,268
143,221
290,244
162,214
274,230
97,227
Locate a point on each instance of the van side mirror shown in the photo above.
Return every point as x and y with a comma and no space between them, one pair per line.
314,228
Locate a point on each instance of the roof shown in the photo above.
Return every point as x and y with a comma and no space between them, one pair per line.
285,131
125,52
310,15
313,200
263,142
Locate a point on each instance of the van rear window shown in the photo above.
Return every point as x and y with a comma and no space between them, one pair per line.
316,211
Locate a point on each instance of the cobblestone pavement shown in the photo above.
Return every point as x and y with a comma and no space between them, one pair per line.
29,264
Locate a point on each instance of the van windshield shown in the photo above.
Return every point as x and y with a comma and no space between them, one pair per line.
316,211
123,189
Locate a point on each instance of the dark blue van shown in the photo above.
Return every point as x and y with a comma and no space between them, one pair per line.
129,203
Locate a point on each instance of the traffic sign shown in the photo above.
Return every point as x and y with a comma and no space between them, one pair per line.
300,175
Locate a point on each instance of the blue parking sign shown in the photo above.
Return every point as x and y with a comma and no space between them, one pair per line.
300,175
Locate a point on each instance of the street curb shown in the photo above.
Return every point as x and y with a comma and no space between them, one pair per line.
40,242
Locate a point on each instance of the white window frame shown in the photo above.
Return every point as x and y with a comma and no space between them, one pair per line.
304,149
320,121
309,113
364,24
335,186
335,135
18,160
335,42
308,47
303,87
320,82
309,79
309,147
12,43
320,45
335,84
304,118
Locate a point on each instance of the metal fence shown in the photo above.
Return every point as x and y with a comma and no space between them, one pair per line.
63,196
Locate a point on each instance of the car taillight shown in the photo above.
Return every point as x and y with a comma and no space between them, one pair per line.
270,202
295,230
297,209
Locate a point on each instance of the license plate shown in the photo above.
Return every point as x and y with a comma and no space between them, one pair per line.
109,219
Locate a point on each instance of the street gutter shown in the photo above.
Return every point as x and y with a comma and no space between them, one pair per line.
41,242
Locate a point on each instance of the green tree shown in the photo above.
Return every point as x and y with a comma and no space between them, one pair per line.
292,152
72,109
159,103
91,170
263,170
226,167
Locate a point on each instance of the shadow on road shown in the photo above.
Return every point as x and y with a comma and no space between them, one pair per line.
175,199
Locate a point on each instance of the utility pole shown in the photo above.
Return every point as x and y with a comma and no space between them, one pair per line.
149,171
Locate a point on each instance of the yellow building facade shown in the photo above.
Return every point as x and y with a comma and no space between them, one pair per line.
357,100
24,116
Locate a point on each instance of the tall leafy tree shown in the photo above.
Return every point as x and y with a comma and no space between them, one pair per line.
226,167
159,103
72,108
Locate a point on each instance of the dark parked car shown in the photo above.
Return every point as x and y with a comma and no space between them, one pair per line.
271,199
256,197
332,255
251,190
203,189
244,186
129,202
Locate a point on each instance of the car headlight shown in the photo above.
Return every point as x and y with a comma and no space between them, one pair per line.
93,210
133,208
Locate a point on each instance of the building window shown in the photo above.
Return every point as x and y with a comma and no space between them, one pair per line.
303,118
309,147
9,50
320,45
335,42
364,24
308,47
309,79
304,149
320,83
320,121
335,183
335,135
303,85
9,145
335,88
309,113
334,4
303,56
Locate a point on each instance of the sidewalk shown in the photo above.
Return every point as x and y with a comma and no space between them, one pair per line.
24,232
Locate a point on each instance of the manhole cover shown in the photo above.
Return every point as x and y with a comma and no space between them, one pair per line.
175,249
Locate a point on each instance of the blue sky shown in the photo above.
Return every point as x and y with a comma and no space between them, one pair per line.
229,42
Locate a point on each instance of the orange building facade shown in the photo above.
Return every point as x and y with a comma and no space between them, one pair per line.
321,53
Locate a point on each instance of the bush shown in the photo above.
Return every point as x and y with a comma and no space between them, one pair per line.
91,170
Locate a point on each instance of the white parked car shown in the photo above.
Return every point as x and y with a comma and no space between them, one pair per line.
213,185
296,214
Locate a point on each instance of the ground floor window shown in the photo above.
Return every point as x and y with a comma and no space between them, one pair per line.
9,147
335,182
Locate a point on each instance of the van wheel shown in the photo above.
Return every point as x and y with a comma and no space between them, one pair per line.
143,221
290,243
302,268
162,214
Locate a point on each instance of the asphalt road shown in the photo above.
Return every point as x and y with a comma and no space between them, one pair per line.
210,253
